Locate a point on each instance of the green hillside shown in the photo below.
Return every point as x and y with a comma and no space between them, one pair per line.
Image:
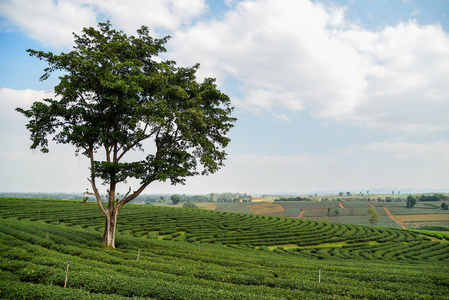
174,253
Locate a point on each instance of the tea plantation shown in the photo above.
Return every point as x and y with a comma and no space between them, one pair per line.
174,253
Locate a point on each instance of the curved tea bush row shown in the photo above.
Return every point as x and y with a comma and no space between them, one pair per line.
34,255
194,225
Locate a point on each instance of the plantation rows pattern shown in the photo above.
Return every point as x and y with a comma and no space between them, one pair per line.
33,266
38,238
248,231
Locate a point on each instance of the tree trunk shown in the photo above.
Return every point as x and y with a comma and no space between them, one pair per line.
109,228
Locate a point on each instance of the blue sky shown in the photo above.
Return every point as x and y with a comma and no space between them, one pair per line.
329,95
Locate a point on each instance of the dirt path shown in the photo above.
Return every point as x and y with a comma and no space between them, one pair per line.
341,205
390,215
302,212
394,219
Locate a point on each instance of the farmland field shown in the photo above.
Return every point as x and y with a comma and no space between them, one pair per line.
425,217
267,208
392,214
176,253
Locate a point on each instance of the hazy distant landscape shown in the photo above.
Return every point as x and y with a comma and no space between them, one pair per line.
339,208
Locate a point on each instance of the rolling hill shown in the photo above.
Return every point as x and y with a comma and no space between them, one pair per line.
175,253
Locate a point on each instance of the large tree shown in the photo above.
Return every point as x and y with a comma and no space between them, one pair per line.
115,94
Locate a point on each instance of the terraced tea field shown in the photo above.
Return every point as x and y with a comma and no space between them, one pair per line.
392,214
175,253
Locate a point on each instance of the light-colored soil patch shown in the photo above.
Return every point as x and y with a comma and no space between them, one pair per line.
266,208
257,200
261,205
205,205
326,245
426,217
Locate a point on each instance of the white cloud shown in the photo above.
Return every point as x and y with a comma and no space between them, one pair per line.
301,160
288,55
132,14
282,117
12,123
407,67
52,22
9,98
283,57
395,79
433,150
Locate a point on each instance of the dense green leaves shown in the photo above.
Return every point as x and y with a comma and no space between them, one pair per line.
411,201
115,94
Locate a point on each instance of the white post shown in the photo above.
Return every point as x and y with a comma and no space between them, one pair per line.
138,253
319,276
66,273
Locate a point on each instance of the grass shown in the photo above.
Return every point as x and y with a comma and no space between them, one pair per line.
37,238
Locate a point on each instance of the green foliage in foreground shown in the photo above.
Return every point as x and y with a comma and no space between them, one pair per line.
159,265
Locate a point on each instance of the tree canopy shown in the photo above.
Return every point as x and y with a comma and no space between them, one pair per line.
115,94
373,216
175,199
410,201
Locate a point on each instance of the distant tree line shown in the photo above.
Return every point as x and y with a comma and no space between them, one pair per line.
212,197
293,199
434,197
62,196
434,228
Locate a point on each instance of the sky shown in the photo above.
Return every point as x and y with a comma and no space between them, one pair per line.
343,95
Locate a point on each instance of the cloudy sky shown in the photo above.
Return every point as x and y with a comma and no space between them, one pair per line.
343,95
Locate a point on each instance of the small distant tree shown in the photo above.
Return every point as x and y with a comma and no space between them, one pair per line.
348,193
189,205
175,199
411,201
337,212
328,210
341,194
444,206
373,216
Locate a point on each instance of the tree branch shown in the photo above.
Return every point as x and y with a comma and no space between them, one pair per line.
92,180
131,146
127,199
85,199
